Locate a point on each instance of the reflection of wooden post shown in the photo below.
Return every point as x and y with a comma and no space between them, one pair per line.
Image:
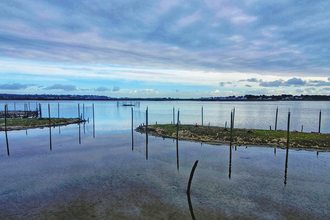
188,190
276,115
50,129
6,110
320,122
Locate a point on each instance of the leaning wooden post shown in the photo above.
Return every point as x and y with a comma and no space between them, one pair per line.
320,122
202,115
50,128
188,190
6,110
276,115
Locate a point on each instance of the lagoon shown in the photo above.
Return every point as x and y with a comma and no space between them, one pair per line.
100,176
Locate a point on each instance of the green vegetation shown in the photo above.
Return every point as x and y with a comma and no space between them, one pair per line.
25,123
218,135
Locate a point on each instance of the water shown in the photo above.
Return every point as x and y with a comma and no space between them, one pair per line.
103,178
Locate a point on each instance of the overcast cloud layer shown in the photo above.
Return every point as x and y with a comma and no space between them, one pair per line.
165,48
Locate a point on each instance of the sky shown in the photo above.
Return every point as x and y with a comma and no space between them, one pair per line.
165,48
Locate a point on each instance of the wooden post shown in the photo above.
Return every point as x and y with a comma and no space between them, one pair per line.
132,131
188,190
93,122
173,115
288,131
177,125
234,117
40,110
50,129
231,126
202,116
302,128
58,110
320,122
270,127
6,110
78,111
83,111
147,140
276,115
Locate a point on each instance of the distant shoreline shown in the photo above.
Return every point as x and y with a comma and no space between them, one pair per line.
246,98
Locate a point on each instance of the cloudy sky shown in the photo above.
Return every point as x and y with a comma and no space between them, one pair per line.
165,48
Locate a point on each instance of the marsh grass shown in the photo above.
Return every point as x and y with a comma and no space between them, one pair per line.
213,134
24,123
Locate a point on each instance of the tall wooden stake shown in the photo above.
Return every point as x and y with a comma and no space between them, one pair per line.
93,122
287,150
147,133
58,110
132,131
320,122
202,116
173,115
276,115
6,110
50,129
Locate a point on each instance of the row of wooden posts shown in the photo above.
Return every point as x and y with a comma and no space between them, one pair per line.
49,118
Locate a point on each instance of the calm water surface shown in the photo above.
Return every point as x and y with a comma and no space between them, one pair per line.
99,176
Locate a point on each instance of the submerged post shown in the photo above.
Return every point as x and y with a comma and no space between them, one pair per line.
320,122
6,110
276,115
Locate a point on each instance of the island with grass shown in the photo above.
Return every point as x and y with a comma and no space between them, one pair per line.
27,123
241,137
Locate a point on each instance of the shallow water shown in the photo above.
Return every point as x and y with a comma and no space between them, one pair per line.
103,178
